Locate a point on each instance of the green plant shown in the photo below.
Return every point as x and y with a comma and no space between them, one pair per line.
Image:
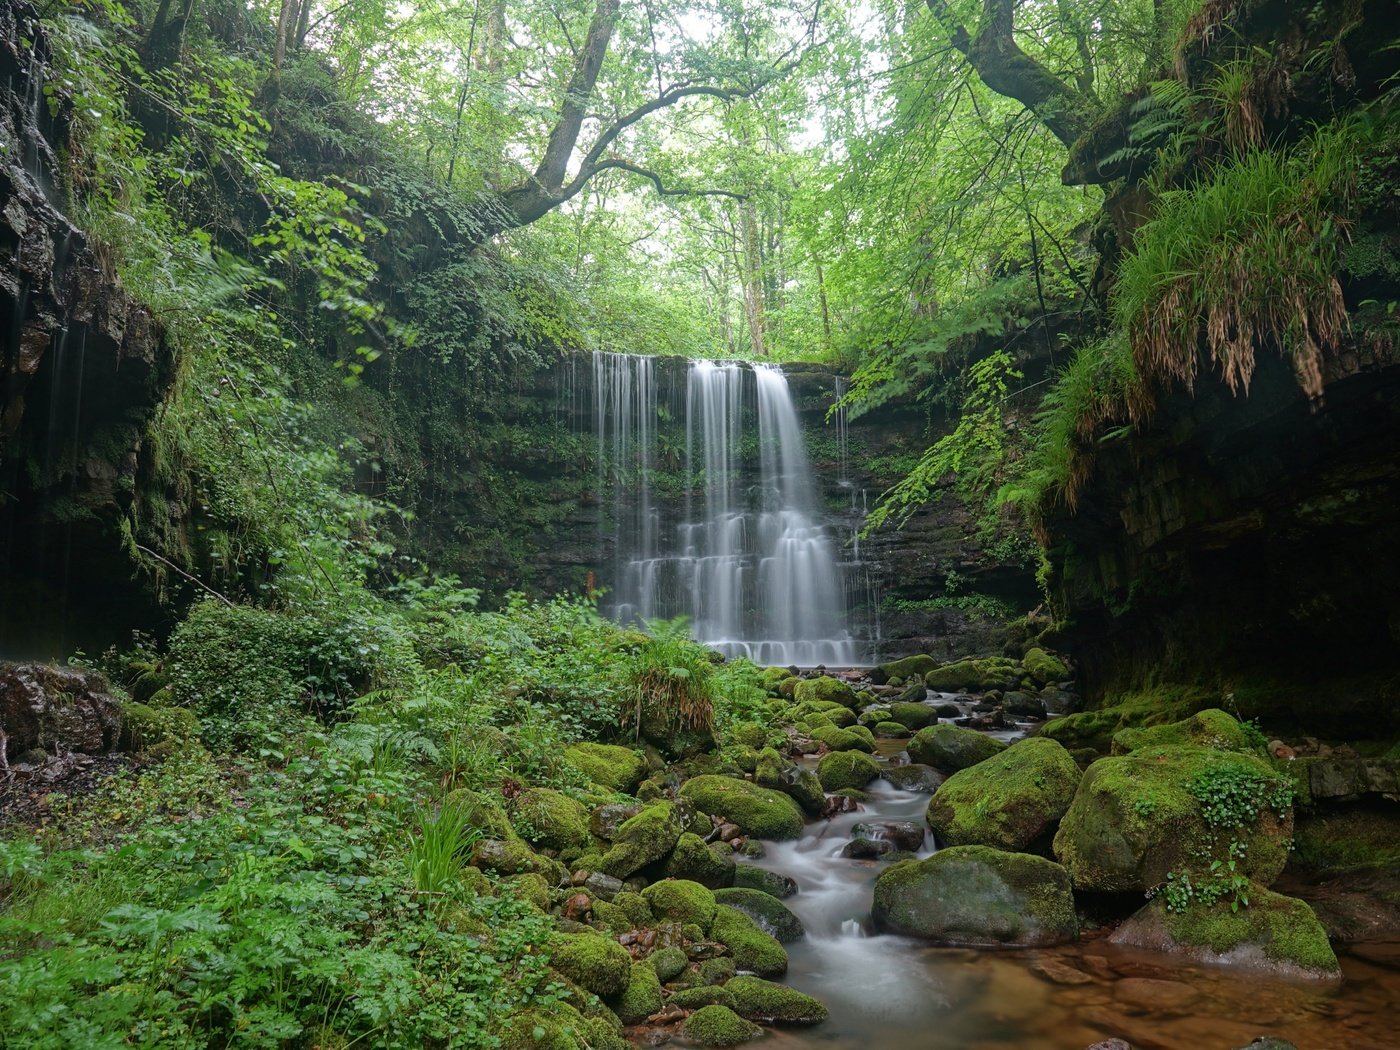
438,849
670,682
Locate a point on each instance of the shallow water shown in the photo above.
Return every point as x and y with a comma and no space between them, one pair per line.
894,993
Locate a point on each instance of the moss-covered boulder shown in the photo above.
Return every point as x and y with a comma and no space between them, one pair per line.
710,865
750,877
511,856
909,667
702,995
757,811
771,914
752,949
719,1026
951,748
846,769
1273,933
825,688
681,901
976,676
557,1026
1138,817
780,774
648,837
549,819
761,1000
594,962
668,962
747,734
1209,728
145,727
1009,801
914,777
915,716
891,730
978,897
609,765
1096,728
642,996
841,739
481,812
1043,667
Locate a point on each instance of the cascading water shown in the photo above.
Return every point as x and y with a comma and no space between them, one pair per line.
746,554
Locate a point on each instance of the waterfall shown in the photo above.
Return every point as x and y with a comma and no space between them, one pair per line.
729,529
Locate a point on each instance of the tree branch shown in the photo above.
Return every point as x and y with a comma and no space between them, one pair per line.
623,165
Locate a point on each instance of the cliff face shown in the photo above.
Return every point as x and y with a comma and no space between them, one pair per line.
82,366
1251,543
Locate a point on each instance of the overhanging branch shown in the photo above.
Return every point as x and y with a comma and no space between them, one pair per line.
663,190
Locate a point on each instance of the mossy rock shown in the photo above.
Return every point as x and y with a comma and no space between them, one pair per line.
557,1026
1134,818
914,715
752,949
532,887
145,727
891,730
715,971
825,688
1009,801
771,679
481,812
648,837
864,732
610,765
951,748
871,715
780,774
698,861
1273,933
668,963
594,962
751,877
681,901
842,739
771,914
610,917
846,769
703,995
642,996
748,734
1097,727
1209,728
1345,840
977,896
914,777
1043,667
512,856
757,811
550,820
771,1003
719,1026
990,672
909,667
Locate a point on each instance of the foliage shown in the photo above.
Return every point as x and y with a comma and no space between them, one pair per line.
671,681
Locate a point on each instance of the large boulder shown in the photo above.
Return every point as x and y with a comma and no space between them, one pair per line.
1138,817
1043,667
56,709
608,765
594,962
710,864
771,1003
913,716
914,777
752,949
825,688
842,739
780,774
846,769
1273,933
1209,728
951,748
548,819
771,914
978,897
977,676
648,837
681,901
757,811
1008,801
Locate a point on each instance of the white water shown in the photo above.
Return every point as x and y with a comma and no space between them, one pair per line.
752,561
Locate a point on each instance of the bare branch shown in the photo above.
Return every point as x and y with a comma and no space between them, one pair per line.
623,165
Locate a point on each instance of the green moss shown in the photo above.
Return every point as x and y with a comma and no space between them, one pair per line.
1008,801
145,727
951,748
890,730
757,811
761,1000
914,715
704,995
532,887
719,1026
715,971
846,769
638,911
825,688
750,734
910,666
668,963
510,856
549,819
752,949
1350,839
698,861
749,876
771,914
841,739
557,1026
644,839
779,774
482,812
642,996
1209,728
864,732
614,767
680,900
594,962
611,917
990,672
1151,707
1043,667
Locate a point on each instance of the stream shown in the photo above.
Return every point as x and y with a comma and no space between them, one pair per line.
895,993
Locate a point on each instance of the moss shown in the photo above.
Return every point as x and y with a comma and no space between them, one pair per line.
668,963
750,734
752,949
864,732
1209,728
557,1026
146,727
594,962
716,971
846,769
481,812
642,996
951,748
611,917
610,765
757,811
1134,818
719,1026
1043,667
779,774
761,1000
638,911
771,679
1008,801
549,819
990,672
751,877
510,856
681,900
788,686
910,666
890,730
531,887
771,914
1351,839
871,715
842,739
704,995
915,716
825,688
644,839
1151,707
977,896
696,860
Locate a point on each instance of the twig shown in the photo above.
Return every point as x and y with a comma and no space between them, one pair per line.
193,579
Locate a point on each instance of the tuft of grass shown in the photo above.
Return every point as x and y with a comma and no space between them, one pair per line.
439,847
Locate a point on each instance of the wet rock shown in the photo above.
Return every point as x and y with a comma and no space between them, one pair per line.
947,709
1058,971
951,748
846,769
606,820
902,834
913,777
909,666
1347,779
866,849
839,803
601,886
1018,703
800,784
1008,801
56,710
758,811
1155,996
747,876
769,912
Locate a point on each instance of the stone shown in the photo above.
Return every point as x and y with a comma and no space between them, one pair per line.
601,886
1009,801
890,730
752,949
751,877
951,748
605,820
975,896
913,777
902,834
772,916
644,839
681,901
757,811
548,819
825,688
1209,728
694,859
771,1003
703,995
971,675
835,739
780,774
594,962
56,709
609,765
1057,971
910,666
862,848
642,996
669,962
1155,996
914,716
719,1026
846,769
1043,667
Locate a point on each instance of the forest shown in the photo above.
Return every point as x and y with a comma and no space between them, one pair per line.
579,524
